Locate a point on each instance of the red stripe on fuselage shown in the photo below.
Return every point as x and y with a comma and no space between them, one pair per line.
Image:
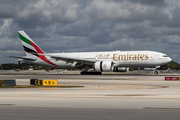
42,57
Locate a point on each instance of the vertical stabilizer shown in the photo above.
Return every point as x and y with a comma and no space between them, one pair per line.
30,47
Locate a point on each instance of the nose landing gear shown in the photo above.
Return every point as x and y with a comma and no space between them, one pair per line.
156,72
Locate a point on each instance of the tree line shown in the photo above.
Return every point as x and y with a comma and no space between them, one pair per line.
22,66
26,66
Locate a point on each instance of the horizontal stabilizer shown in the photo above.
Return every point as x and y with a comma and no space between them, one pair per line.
25,58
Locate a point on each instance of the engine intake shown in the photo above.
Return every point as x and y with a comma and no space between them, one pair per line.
104,66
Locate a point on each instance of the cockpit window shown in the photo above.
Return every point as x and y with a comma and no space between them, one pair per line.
165,56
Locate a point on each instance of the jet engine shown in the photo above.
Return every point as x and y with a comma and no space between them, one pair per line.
121,69
104,66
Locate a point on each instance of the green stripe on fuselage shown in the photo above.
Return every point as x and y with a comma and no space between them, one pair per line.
25,39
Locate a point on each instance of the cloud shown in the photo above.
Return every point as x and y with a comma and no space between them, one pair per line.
91,25
174,39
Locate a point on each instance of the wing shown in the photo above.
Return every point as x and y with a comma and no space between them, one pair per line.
24,58
68,59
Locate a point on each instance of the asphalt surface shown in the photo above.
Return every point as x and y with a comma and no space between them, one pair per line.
28,113
103,97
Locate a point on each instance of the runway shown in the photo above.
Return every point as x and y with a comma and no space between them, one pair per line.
29,113
102,97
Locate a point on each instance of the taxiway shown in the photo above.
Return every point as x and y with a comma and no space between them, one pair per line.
107,96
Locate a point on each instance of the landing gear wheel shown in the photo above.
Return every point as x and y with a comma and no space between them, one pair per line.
91,73
156,72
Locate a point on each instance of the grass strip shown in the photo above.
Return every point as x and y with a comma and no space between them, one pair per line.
29,86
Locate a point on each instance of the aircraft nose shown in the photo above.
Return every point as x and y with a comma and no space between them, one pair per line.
169,59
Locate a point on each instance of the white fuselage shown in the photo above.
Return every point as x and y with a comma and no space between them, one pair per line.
119,58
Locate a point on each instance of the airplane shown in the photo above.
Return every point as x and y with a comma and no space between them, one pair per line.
108,61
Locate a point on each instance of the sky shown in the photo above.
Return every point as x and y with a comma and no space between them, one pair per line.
90,25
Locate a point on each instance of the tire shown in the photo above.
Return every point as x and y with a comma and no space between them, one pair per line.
91,73
156,72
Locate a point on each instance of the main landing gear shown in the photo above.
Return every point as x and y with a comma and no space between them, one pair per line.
91,73
156,72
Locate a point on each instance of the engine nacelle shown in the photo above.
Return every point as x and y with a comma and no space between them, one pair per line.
104,66
121,69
